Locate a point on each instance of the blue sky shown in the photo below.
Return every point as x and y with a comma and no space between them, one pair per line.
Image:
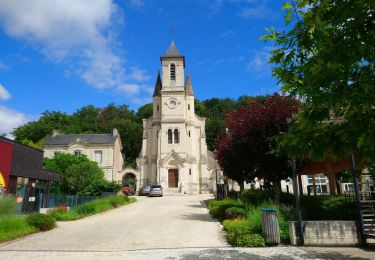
65,54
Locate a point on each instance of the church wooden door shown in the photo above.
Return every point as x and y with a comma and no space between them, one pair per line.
172,178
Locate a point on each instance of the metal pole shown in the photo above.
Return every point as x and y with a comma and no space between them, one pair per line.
358,202
297,197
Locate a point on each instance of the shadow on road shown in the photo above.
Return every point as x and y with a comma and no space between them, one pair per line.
211,254
199,217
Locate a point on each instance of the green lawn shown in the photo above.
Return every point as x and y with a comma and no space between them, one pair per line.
12,227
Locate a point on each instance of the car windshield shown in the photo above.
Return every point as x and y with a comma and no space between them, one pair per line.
155,186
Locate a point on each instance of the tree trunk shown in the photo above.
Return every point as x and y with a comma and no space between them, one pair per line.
242,186
277,191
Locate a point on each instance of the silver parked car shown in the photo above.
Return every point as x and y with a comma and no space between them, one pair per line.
156,190
145,190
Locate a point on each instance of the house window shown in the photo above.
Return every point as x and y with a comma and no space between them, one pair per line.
56,153
189,133
321,184
188,106
176,136
157,108
98,157
189,171
77,153
173,72
170,136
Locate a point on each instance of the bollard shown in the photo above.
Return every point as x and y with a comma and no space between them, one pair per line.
270,226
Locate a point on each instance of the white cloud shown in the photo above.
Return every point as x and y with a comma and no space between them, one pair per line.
257,9
10,119
136,3
3,66
259,62
4,93
227,33
139,75
80,34
127,89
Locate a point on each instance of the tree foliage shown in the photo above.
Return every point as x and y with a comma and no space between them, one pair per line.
79,175
94,120
245,150
325,57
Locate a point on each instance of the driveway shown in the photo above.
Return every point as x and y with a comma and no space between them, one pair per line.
171,227
166,222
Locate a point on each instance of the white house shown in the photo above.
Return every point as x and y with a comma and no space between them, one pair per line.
105,149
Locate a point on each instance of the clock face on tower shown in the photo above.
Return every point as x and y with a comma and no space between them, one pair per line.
172,103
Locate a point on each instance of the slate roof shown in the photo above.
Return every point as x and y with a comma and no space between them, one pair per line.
172,52
158,86
189,88
86,138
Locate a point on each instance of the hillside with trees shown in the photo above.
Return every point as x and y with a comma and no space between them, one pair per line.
91,119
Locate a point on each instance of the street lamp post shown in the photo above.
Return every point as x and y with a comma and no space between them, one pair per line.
298,202
296,193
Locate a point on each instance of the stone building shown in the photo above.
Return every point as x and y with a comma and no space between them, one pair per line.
174,150
105,149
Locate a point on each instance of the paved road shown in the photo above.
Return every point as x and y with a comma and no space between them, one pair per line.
166,222
172,227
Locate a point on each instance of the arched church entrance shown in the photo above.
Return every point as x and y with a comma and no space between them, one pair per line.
172,178
129,179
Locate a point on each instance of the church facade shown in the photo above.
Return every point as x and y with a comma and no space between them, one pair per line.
174,150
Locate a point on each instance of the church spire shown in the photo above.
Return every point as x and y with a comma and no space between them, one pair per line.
158,86
188,88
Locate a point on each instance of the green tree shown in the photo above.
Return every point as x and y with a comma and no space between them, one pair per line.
88,118
144,112
325,57
82,178
37,130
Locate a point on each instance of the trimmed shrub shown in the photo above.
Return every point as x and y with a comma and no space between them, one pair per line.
327,208
235,212
217,208
234,195
255,197
41,221
7,205
239,234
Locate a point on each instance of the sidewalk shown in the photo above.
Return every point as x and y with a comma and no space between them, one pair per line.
341,252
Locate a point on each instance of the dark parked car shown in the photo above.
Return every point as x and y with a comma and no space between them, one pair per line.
156,190
128,190
145,190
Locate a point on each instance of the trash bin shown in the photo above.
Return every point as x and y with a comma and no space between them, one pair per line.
270,226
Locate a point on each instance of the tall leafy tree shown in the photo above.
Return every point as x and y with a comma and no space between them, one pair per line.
245,151
326,57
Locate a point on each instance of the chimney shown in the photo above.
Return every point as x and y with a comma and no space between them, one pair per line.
115,132
55,132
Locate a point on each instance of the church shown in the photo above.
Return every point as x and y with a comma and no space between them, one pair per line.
174,150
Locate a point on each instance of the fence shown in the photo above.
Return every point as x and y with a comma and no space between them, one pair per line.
73,201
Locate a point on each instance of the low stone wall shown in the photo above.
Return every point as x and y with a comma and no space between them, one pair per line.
325,233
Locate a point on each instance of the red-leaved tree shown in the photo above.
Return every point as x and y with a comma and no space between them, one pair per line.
245,150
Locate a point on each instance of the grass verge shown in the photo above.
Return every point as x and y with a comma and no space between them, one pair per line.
91,208
12,227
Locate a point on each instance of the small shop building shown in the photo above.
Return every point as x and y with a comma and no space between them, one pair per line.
22,175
